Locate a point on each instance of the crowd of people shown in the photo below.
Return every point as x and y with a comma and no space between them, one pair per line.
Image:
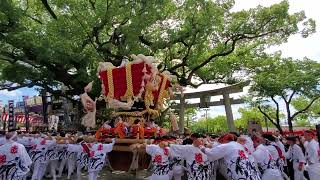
195,157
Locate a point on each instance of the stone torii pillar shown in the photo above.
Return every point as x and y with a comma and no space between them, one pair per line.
181,114
228,109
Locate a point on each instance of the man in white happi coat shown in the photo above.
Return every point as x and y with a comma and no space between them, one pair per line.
82,150
39,157
160,154
312,156
264,160
295,155
14,159
237,161
92,156
199,167
275,151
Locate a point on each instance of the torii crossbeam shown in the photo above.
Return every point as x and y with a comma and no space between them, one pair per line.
205,102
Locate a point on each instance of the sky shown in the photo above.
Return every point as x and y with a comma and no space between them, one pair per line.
296,47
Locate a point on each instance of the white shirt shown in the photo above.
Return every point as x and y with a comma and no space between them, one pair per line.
312,152
14,153
295,154
263,158
239,166
97,156
198,164
159,159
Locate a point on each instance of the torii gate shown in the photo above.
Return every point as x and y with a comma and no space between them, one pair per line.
205,102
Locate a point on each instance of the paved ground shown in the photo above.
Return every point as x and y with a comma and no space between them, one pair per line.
115,175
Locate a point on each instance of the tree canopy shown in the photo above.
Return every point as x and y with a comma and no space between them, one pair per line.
50,43
284,80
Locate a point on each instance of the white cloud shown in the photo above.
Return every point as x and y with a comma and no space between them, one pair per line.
14,94
296,47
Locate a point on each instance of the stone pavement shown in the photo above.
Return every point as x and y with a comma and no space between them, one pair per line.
115,175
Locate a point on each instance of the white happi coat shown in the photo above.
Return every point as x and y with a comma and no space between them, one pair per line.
97,157
272,148
295,155
82,155
52,150
312,157
199,167
27,142
2,140
39,150
239,166
14,161
266,164
162,170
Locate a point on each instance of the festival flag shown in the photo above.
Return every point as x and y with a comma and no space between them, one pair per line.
11,115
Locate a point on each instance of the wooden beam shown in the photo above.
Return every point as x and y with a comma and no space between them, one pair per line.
213,103
215,92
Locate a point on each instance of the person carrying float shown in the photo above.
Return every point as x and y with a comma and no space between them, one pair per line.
198,164
237,161
160,153
263,158
14,160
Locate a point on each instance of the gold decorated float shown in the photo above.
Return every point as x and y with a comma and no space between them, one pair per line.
137,91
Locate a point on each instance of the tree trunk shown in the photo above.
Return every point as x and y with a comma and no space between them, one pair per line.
278,126
290,125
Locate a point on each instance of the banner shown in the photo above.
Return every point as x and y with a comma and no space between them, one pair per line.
11,115
26,112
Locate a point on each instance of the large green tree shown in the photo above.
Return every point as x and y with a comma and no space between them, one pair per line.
210,125
282,80
48,43
253,114
309,116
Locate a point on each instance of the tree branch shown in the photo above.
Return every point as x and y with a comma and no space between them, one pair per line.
291,96
278,109
92,4
46,5
287,106
267,116
305,109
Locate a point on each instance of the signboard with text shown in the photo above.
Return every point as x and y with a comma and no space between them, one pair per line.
11,124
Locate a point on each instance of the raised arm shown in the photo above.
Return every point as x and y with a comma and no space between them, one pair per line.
217,152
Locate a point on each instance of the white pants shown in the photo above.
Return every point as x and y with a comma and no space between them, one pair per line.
298,175
78,172
70,166
38,171
314,171
53,168
178,172
272,174
159,177
61,167
93,175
